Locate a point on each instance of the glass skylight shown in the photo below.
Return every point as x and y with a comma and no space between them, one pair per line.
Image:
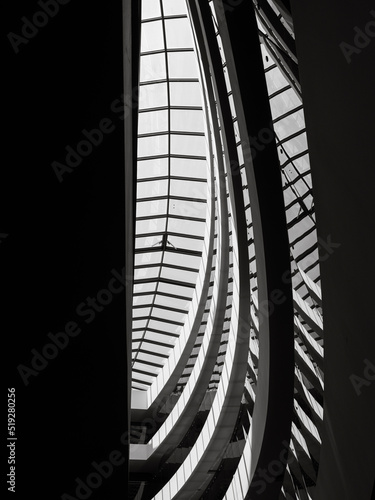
171,186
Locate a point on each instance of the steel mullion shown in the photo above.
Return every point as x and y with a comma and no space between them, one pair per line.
172,155
170,132
146,362
172,177
174,108
172,216
170,266
162,51
162,332
164,308
178,235
160,18
174,197
143,372
151,353
172,80
161,320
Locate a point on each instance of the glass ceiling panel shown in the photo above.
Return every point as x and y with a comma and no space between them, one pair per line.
293,154
186,226
151,208
187,120
290,124
178,274
293,211
152,36
141,311
178,33
184,145
172,302
302,163
158,337
170,315
137,338
189,260
153,95
152,358
144,287
150,226
196,168
154,145
186,243
143,300
150,9
137,386
146,242
188,209
179,290
146,377
172,7
275,80
152,168
151,189
168,210
197,189
185,94
152,121
296,145
139,323
183,67
284,102
152,67
167,328
147,366
149,272
158,349
148,258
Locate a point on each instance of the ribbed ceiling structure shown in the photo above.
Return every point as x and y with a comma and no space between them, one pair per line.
227,340
171,186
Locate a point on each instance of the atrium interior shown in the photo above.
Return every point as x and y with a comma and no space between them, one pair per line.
228,336
210,249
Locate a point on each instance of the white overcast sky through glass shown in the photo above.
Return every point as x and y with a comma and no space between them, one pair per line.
171,185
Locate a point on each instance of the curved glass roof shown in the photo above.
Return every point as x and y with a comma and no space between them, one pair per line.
292,147
171,186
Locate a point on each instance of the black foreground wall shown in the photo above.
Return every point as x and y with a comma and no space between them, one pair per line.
336,51
59,243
